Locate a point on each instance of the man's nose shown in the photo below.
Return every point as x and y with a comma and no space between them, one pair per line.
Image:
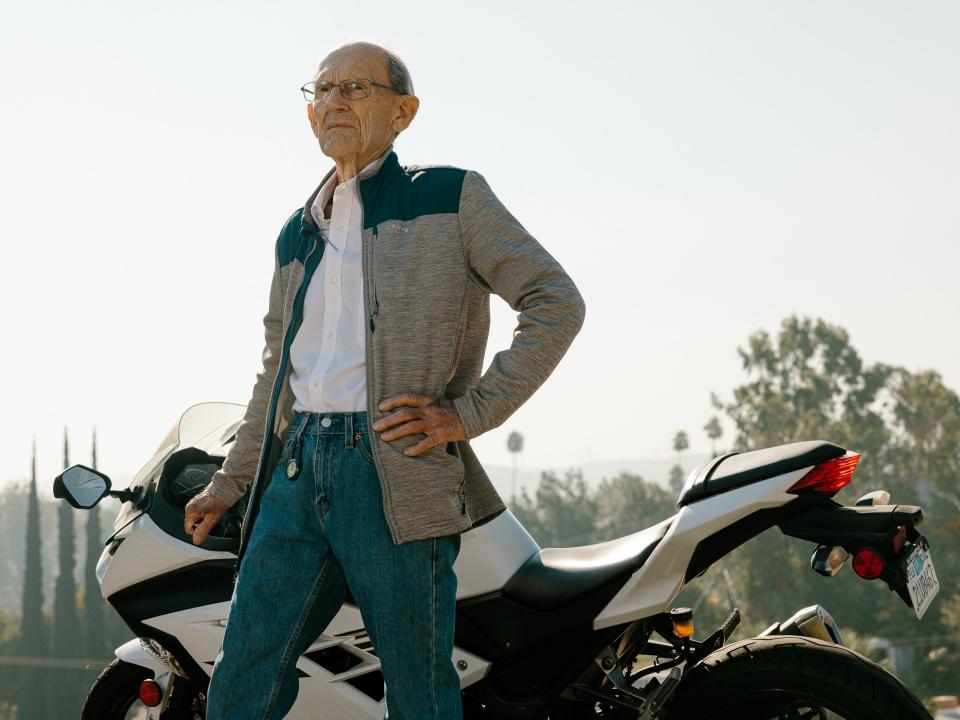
335,99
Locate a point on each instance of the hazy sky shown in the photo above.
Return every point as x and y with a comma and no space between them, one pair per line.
701,169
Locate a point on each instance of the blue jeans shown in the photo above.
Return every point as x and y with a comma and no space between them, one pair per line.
315,536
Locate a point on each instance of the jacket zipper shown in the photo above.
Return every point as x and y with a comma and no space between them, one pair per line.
271,412
372,290
373,278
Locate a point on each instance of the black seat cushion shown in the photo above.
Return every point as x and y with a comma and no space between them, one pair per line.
738,469
554,577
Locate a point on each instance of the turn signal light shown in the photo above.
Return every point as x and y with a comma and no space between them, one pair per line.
682,622
868,564
827,478
150,693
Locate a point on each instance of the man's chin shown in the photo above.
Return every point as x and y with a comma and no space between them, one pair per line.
340,146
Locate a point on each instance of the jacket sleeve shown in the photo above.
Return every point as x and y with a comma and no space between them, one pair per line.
230,482
505,259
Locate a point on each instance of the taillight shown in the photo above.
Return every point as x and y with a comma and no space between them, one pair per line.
827,478
150,693
868,564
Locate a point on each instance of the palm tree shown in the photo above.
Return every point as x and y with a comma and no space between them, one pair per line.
714,431
680,443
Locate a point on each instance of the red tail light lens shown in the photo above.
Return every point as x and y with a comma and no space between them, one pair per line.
150,693
827,478
868,564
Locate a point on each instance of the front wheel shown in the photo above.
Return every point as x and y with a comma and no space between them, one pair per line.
791,678
114,696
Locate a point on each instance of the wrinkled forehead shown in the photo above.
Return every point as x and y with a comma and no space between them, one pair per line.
352,63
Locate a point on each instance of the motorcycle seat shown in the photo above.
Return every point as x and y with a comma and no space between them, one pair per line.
735,470
555,577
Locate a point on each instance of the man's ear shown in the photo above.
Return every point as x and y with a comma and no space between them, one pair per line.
406,112
313,121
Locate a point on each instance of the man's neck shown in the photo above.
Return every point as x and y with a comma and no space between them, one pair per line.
349,168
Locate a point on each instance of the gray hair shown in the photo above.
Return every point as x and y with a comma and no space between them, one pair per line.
398,73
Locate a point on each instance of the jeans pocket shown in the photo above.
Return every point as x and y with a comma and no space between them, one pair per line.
361,441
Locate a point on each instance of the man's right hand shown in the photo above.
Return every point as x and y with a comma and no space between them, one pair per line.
201,514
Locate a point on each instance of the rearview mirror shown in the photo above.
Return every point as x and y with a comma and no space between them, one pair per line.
81,486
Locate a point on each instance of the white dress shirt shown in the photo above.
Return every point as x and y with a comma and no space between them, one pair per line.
328,353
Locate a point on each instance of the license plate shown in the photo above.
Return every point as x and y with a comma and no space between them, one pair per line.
922,583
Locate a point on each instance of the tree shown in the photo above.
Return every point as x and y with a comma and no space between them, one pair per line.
810,383
714,432
34,637
93,611
67,635
628,503
676,479
564,513
680,443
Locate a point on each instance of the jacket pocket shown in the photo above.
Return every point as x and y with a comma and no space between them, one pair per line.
454,449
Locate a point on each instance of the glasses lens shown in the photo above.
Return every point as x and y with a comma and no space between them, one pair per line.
355,89
321,89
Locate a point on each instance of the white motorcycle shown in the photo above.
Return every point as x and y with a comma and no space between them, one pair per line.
558,633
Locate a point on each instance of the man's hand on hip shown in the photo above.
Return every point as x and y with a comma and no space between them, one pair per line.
431,415
201,514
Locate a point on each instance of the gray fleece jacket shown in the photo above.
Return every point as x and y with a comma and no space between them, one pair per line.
436,243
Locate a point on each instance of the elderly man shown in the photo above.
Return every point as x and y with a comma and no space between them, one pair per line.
356,438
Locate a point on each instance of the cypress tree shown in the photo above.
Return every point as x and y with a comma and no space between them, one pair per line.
95,645
33,628
67,635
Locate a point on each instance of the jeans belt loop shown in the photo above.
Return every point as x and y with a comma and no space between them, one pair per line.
348,431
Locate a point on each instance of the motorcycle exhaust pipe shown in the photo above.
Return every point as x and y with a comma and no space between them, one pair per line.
813,622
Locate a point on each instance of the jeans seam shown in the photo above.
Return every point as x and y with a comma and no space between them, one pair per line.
308,607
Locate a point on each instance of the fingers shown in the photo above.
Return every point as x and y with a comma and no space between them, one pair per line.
203,529
412,399
201,514
191,517
430,415
428,442
408,428
396,418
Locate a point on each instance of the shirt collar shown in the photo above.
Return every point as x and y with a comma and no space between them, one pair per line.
330,184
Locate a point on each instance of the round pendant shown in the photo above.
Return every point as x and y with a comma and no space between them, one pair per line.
291,469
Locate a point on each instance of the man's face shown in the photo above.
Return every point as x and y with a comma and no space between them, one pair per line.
357,129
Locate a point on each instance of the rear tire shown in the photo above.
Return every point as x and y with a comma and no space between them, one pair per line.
764,678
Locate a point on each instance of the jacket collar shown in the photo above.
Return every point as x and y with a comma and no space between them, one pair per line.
368,176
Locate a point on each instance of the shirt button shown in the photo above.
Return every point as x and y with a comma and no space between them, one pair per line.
315,383
326,422
329,333
340,226
333,280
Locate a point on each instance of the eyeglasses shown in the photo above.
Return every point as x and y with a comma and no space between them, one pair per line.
355,89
